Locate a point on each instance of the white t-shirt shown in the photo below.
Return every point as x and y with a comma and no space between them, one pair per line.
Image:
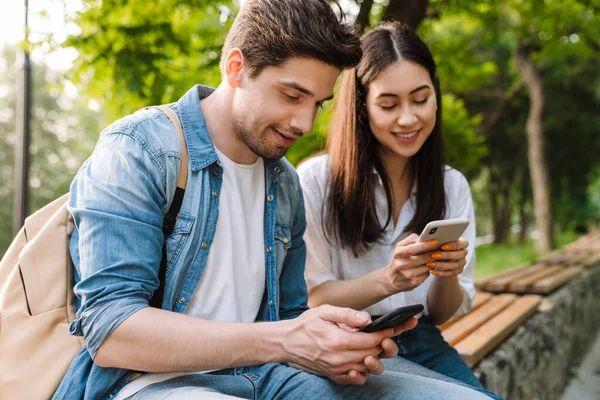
325,261
233,282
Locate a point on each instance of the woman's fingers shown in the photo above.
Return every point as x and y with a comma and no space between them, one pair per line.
448,255
460,244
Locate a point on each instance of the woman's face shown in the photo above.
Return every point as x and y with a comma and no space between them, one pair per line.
401,107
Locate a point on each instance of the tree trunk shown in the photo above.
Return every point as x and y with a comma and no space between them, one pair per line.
411,12
500,208
537,164
505,216
523,213
492,191
362,19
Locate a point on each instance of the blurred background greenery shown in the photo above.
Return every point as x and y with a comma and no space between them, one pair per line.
496,60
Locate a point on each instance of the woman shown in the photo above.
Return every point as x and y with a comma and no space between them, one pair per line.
381,181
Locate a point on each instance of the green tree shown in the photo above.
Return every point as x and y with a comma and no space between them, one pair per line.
133,55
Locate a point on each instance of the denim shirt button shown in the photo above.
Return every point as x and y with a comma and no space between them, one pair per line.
277,169
214,193
269,249
270,302
270,197
203,245
285,240
181,300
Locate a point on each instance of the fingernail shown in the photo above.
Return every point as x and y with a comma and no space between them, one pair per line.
432,242
447,247
430,265
362,316
436,255
435,273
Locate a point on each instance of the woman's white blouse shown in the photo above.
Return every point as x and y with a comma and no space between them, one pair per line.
325,261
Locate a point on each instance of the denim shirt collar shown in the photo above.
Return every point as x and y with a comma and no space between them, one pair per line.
200,146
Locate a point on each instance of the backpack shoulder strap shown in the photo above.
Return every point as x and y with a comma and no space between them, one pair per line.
171,217
183,171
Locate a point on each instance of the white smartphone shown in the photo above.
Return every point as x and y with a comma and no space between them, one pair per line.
444,231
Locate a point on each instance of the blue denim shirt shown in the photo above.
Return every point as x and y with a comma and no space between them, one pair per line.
118,200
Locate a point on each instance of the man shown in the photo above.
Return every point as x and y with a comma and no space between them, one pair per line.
236,255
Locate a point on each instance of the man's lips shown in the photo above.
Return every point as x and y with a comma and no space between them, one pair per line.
285,139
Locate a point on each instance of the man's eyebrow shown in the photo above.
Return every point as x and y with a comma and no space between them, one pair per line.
411,92
295,86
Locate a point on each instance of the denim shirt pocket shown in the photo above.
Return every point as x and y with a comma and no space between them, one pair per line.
177,240
283,241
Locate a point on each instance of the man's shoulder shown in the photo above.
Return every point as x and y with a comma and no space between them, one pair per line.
150,127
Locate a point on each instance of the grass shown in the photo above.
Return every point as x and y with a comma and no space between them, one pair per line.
492,258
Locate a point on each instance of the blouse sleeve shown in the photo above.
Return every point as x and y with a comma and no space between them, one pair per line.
319,265
464,209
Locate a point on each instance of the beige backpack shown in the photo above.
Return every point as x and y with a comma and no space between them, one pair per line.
37,302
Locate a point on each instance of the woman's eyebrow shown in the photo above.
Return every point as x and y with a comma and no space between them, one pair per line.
385,94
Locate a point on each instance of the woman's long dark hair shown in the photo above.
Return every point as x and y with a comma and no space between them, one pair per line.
350,214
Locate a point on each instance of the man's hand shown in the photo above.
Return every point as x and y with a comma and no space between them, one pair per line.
325,341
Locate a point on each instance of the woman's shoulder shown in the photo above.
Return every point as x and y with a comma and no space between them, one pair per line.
314,169
457,187
454,179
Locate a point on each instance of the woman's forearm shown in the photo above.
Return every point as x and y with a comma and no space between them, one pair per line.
444,298
357,293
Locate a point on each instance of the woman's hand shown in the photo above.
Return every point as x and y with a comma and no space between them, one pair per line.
450,260
413,261
407,268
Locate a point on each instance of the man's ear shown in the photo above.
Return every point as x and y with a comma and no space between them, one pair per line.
233,67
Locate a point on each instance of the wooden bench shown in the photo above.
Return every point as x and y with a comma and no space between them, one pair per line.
490,321
505,300
538,278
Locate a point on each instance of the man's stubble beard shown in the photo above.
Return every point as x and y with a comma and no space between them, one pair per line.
258,144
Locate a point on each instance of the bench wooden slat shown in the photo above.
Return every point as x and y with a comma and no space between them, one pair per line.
590,242
500,284
481,283
550,283
488,336
570,258
522,285
470,322
480,299
592,259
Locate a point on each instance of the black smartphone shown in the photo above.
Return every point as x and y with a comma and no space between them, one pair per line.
393,318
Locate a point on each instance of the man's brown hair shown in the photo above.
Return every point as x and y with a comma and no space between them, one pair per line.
268,32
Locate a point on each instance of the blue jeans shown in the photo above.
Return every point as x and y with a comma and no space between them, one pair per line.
424,345
278,381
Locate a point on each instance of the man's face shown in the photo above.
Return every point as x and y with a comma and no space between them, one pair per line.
273,109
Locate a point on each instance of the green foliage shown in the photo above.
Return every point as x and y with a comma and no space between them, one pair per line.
464,148
463,64
135,54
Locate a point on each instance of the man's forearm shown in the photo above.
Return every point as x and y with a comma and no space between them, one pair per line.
155,340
